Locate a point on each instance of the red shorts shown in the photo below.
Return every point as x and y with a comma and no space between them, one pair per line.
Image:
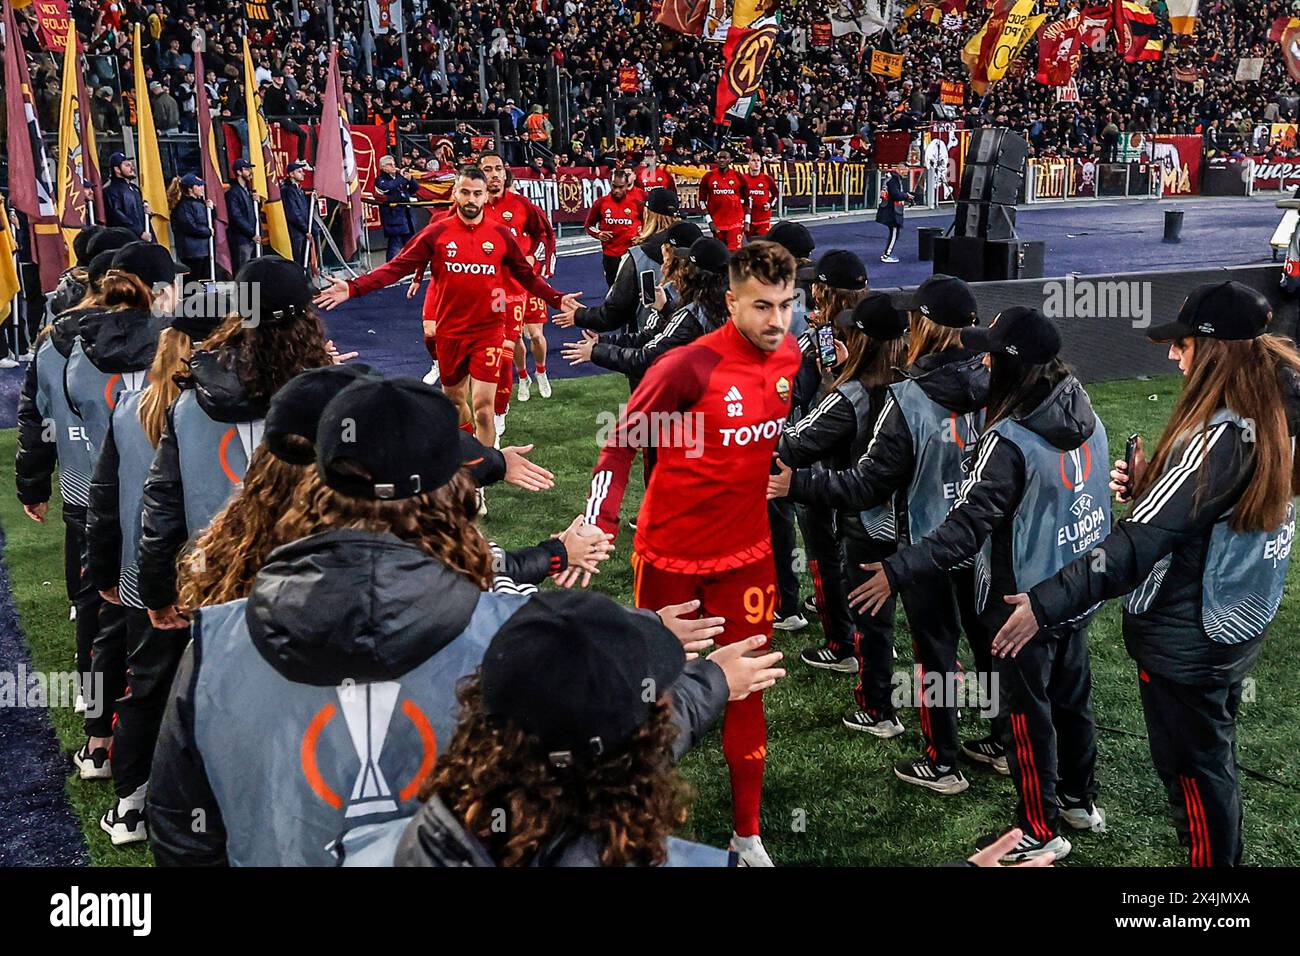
516,309
757,229
746,596
730,237
478,356
534,311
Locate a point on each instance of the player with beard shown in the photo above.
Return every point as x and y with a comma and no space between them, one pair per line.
527,223
703,533
474,265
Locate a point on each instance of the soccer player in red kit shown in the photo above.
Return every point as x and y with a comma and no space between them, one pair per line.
529,225
650,176
761,196
615,219
713,410
474,265
724,196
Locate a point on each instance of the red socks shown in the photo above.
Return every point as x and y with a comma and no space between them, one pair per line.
744,744
505,382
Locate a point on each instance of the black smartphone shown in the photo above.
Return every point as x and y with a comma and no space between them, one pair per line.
647,287
1130,458
826,346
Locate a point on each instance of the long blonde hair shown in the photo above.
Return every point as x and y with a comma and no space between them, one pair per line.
928,336
652,222
1243,377
174,348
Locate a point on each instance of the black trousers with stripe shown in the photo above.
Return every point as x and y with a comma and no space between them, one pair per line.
780,514
152,658
873,638
1051,739
1192,732
826,564
938,612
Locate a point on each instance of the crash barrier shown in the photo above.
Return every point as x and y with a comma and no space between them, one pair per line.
1103,318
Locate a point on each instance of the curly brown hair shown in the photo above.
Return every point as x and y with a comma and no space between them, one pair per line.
630,801
233,548
439,522
268,354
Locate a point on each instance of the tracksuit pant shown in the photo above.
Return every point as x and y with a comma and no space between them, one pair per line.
873,634
107,668
746,598
609,266
938,611
151,662
780,515
1051,739
81,594
1192,732
825,564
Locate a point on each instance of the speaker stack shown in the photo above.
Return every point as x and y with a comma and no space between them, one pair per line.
983,245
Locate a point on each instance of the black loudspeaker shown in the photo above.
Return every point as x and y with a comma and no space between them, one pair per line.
960,256
1013,259
999,147
988,182
985,220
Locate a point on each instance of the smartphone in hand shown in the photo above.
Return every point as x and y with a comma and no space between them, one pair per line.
647,287
1130,462
826,346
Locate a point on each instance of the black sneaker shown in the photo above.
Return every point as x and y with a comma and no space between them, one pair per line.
1081,814
988,751
926,773
1028,847
829,659
810,604
631,523
92,764
124,827
874,724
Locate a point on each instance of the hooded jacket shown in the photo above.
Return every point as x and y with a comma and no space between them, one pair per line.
622,307
1160,550
194,473
44,398
956,382
986,519
113,351
633,355
338,611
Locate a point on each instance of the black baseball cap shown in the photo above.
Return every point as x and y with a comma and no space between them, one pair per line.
1227,310
682,235
296,409
572,668
1019,331
710,255
875,316
283,287
149,261
838,269
795,236
110,240
387,439
81,243
99,265
946,300
663,201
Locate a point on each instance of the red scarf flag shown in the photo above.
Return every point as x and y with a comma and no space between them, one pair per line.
210,168
336,161
1060,47
743,57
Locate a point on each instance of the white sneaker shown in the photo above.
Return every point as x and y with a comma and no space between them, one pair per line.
92,765
79,707
499,423
124,823
524,393
72,612
8,362
543,385
1082,816
431,377
750,850
888,258
27,356
795,622
482,503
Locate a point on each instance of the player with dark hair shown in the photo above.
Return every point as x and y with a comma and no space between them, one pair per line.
475,264
718,405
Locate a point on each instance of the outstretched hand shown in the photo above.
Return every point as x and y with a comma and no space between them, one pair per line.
870,596
523,473
335,295
1019,628
695,633
778,485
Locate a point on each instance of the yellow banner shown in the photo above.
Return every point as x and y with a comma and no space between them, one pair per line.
148,159
259,154
1019,29
886,64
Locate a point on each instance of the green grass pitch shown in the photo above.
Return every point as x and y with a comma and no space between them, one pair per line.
830,797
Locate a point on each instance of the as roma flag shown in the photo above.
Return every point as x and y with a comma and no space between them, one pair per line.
684,16
1060,47
1285,32
743,57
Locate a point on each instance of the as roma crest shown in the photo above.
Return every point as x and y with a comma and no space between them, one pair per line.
487,248
783,388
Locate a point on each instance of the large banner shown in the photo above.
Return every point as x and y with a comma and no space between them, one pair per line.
570,193
1272,174
1178,159
51,22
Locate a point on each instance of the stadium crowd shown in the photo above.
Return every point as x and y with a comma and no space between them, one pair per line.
822,103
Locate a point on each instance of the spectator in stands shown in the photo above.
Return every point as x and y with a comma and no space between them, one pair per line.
122,197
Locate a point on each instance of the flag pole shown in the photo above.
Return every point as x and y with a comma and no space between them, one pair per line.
311,218
212,246
257,218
